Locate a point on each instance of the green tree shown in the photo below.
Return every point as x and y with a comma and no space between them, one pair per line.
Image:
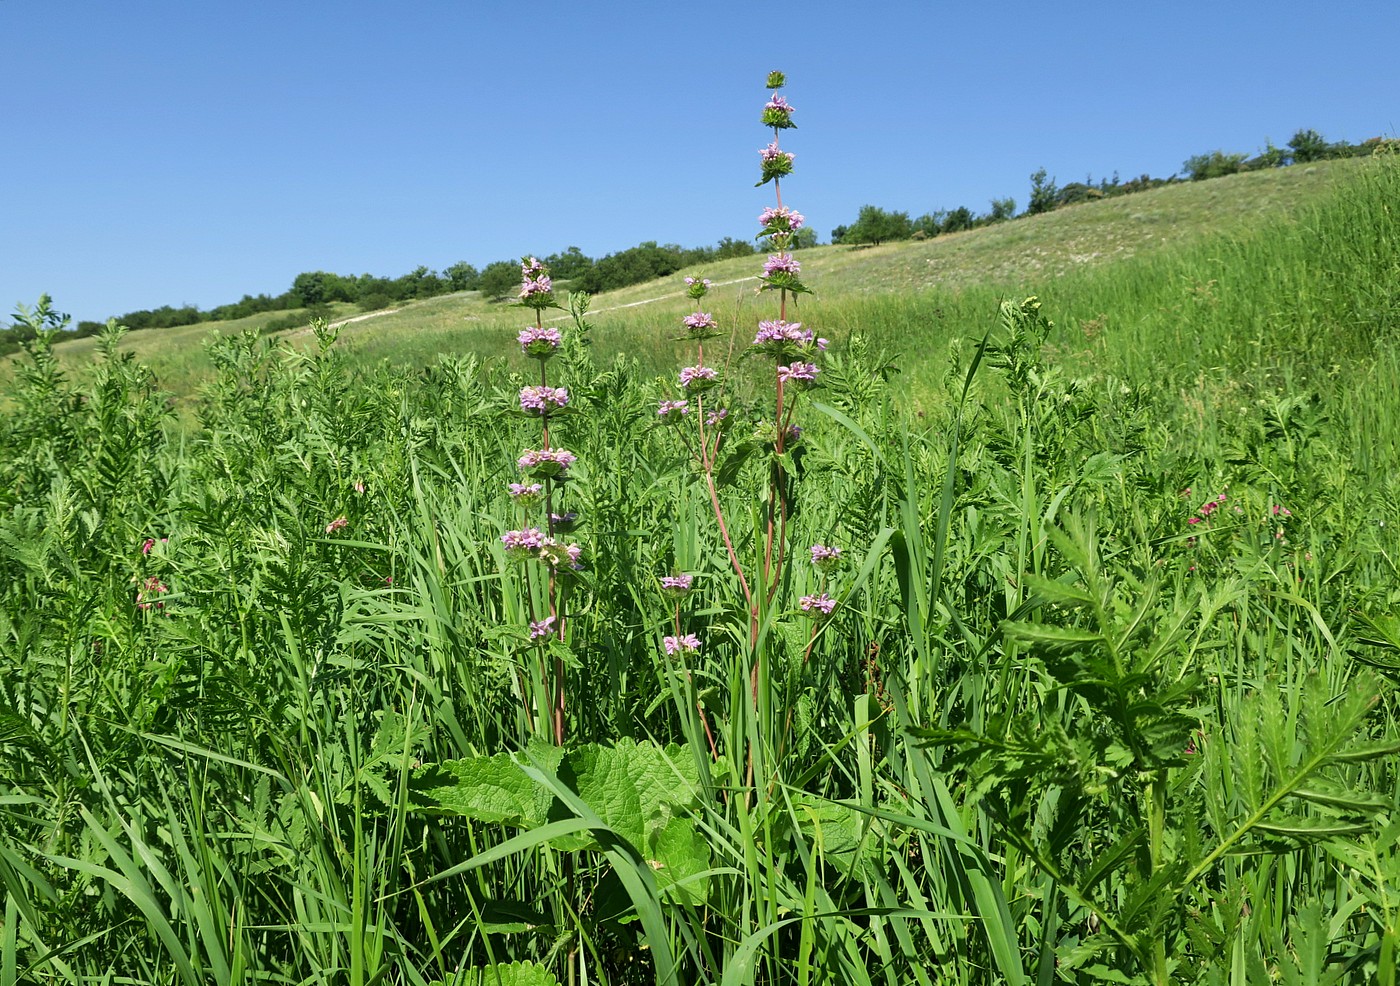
500,280
1044,193
462,276
876,225
1307,146
1216,164
569,264
1002,209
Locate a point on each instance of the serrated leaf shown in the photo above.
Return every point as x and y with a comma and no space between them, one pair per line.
514,974
678,855
633,787
1361,754
1045,635
1310,829
487,789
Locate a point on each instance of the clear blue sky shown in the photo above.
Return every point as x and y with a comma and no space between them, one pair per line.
162,152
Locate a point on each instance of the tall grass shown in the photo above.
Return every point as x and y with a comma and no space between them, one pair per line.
1054,731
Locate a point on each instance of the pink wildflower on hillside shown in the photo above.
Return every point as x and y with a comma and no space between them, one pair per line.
812,605
340,523
677,585
698,378
541,400
675,645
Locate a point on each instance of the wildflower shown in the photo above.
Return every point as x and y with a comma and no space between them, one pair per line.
672,411
781,263
540,629
688,643
538,343
151,543
1281,511
540,400
777,113
523,543
151,588
677,585
776,80
777,163
783,339
803,374
359,486
557,554
700,323
716,419
338,524
525,494
696,287
780,220
536,290
793,435
824,557
531,267
546,463
563,522
697,379
812,605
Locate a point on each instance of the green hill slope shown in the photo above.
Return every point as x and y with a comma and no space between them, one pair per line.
1093,262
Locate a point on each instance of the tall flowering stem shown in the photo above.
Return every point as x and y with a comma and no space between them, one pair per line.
544,471
793,348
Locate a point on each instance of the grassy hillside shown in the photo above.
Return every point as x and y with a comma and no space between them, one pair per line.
906,296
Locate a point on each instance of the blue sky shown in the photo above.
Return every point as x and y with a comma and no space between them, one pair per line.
166,152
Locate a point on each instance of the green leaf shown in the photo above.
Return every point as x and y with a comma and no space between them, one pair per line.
487,789
514,974
1302,829
1053,637
679,857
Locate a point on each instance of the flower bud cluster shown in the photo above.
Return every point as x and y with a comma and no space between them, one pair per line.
536,287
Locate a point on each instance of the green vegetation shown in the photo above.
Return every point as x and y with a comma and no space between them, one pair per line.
1108,693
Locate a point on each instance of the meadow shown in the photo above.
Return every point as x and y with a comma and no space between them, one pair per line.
1100,686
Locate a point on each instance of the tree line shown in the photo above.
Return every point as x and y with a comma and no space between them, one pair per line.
875,225
312,291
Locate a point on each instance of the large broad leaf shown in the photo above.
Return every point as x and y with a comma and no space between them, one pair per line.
633,787
842,836
487,789
514,974
679,856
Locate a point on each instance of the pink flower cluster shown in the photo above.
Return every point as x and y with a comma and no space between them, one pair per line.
535,285
688,643
780,338
698,378
532,542
781,263
821,603
672,411
1207,508
539,343
799,373
540,629
781,220
699,322
540,400
824,557
340,523
146,596
677,585
524,493
526,541
777,113
552,463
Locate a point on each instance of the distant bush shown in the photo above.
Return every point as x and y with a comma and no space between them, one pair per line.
1216,164
1044,193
